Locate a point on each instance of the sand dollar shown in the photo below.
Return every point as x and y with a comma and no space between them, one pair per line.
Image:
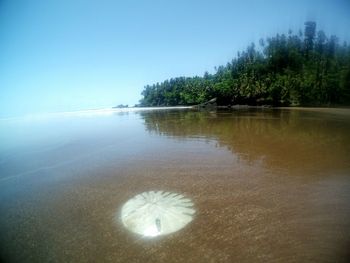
157,213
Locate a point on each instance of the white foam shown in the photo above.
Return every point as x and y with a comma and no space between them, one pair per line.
86,113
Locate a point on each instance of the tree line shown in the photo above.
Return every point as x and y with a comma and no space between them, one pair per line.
307,68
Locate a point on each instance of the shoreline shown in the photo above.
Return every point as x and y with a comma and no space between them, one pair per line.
345,110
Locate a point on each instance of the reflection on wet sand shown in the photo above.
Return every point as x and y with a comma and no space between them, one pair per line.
268,186
285,139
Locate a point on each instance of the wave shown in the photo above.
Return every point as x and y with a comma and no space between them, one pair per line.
85,113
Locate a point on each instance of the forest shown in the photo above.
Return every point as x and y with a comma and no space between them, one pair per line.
308,68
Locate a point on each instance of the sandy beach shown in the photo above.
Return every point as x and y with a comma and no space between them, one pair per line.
252,202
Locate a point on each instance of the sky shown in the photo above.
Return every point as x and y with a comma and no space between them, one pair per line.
73,55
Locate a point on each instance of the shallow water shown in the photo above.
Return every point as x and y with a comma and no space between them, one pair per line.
267,185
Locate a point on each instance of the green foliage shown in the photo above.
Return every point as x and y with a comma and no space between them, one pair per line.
285,70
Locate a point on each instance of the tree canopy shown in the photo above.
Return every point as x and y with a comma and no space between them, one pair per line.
307,68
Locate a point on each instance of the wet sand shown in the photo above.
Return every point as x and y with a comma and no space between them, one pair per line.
254,200
342,111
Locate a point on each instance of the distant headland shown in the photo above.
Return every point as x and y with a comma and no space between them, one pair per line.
303,69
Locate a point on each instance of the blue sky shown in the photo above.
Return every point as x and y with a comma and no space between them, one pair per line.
69,55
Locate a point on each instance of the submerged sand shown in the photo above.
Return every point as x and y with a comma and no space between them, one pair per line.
255,201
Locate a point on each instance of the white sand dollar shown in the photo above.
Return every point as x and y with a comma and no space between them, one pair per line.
157,213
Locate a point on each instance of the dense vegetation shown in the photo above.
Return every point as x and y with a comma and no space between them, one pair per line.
293,69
